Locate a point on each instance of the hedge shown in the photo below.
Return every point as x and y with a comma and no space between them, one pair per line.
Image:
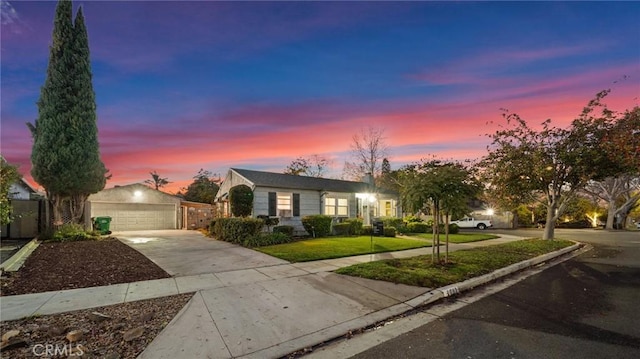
288,230
317,225
418,227
342,229
355,226
389,231
235,230
266,239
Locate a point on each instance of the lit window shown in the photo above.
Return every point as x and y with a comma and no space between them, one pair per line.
336,206
343,207
284,204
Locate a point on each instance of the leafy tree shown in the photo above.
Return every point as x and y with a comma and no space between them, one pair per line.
314,166
554,163
367,152
156,181
8,175
445,186
65,154
241,200
204,188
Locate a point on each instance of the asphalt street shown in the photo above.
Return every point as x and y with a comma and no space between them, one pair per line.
585,307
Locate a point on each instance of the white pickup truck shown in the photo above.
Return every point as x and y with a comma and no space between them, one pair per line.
469,222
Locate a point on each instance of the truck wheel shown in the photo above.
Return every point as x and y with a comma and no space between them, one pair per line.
482,226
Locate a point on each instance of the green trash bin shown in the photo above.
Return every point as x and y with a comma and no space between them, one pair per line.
101,224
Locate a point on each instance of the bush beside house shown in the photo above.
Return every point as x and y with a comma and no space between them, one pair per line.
317,225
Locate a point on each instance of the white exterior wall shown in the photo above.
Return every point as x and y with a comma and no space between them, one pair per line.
123,204
309,200
231,181
18,191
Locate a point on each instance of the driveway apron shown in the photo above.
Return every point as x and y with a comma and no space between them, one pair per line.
183,253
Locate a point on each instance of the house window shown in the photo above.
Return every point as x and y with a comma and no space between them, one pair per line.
284,204
336,207
389,209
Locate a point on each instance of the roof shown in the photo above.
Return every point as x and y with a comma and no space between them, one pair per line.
281,180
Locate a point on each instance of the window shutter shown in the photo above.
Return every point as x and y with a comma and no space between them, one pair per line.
296,204
273,198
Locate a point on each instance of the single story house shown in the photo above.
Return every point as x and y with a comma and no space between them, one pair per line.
291,197
135,207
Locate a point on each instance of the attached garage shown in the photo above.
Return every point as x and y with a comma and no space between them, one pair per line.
135,207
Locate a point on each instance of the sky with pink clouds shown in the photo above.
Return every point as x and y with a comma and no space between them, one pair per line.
187,85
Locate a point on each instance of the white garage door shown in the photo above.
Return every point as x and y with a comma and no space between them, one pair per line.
136,216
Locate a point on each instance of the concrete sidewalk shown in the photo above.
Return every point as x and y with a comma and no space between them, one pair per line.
259,312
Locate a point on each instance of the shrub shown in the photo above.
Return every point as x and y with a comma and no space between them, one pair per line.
269,221
241,200
236,230
317,225
583,223
392,222
355,226
418,227
389,231
342,229
266,239
367,230
288,230
413,219
398,224
73,232
453,228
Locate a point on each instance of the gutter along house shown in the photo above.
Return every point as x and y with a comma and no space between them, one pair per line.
290,197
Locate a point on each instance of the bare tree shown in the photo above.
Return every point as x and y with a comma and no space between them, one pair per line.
314,166
368,149
620,193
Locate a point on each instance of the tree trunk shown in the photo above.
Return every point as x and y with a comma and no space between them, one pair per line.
76,207
446,236
515,220
550,225
57,202
611,213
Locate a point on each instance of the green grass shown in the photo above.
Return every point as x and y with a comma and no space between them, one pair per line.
337,247
419,271
455,238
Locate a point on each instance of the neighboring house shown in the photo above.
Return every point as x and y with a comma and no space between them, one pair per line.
27,211
290,197
22,190
135,207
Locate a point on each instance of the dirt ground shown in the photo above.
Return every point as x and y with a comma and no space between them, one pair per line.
116,331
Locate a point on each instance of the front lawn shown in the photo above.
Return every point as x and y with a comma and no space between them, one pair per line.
465,264
455,238
337,247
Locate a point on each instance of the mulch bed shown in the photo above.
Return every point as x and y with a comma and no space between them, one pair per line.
67,265
113,332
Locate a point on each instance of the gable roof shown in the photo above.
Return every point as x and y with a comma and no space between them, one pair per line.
281,180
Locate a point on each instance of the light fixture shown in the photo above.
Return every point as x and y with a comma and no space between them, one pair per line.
137,194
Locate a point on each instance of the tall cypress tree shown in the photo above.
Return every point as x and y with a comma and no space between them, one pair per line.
65,156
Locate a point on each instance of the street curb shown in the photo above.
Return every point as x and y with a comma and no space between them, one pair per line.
468,284
435,295
17,260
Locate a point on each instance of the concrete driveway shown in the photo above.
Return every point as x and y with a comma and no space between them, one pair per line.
183,253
